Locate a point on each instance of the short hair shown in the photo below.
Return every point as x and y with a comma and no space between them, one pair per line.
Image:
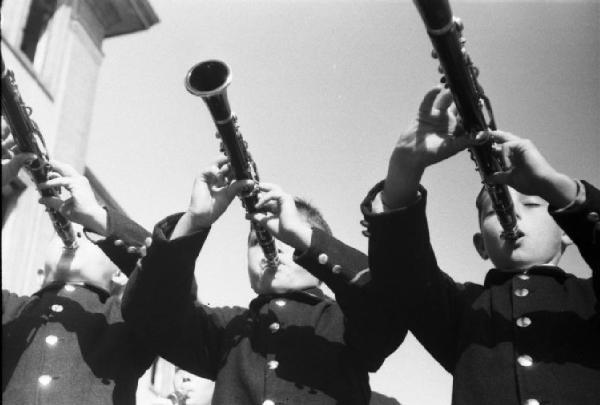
314,216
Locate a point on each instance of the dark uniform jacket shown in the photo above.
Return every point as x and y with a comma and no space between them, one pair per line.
68,344
295,348
524,337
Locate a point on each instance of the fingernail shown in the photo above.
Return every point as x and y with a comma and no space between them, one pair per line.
481,137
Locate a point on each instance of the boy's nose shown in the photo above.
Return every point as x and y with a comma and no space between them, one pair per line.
518,208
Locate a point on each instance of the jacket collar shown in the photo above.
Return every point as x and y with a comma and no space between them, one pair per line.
497,276
312,296
57,285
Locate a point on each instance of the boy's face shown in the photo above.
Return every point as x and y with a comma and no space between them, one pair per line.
86,263
285,277
542,242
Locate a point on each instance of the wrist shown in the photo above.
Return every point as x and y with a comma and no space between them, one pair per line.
97,221
198,221
188,224
406,160
560,190
401,185
301,237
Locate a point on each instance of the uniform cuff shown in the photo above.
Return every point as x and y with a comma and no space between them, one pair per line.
576,204
183,246
333,262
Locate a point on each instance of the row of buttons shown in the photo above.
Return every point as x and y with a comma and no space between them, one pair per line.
275,326
365,224
323,259
525,360
52,340
273,364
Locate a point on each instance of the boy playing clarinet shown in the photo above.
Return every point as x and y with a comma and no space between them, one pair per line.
531,333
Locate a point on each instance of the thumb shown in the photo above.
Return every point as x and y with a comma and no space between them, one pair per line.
51,202
482,137
238,186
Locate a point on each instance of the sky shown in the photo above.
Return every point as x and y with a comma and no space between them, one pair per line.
322,90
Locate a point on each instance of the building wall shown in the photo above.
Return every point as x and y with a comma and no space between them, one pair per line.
59,85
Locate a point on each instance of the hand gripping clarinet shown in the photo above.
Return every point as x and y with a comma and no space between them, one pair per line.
460,75
209,80
29,139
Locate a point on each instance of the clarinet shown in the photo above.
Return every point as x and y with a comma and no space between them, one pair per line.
460,76
29,139
209,80
177,398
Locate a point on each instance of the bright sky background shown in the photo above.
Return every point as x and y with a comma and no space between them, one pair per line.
322,89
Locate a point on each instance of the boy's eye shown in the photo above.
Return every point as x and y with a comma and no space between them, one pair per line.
488,213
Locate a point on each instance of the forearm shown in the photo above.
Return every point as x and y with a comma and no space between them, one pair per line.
373,330
132,235
156,307
342,268
581,223
178,328
402,182
399,247
559,189
188,224
97,221
158,294
406,277
12,305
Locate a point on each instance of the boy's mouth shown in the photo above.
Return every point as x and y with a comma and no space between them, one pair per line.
515,243
267,266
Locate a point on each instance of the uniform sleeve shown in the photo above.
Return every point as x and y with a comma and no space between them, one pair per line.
159,304
12,305
583,227
121,227
405,272
343,268
369,330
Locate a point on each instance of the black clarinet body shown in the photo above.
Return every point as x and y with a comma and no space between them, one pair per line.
474,108
28,138
209,80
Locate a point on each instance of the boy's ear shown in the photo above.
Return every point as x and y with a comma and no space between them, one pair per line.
565,241
480,246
